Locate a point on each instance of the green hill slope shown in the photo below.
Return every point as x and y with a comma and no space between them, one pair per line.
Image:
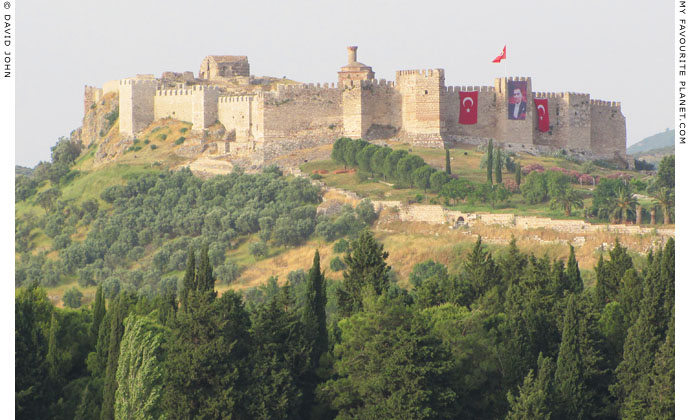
657,141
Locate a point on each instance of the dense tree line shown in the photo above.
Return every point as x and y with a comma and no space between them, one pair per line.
408,170
507,335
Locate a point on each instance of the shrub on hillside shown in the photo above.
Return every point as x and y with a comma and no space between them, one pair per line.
72,298
337,264
258,249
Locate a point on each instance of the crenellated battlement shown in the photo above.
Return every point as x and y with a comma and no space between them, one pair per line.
518,79
553,95
423,73
576,97
454,89
141,82
187,91
305,86
606,104
236,98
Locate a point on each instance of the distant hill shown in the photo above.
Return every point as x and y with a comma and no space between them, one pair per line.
657,141
22,170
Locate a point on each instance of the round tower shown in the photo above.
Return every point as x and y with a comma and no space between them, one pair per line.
351,55
354,70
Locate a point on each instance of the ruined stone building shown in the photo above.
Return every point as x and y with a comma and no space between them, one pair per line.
271,119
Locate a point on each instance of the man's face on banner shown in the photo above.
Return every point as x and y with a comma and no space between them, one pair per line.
516,97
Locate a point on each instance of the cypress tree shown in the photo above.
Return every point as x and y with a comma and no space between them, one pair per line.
668,279
98,312
52,357
630,296
279,361
188,283
572,274
518,173
206,367
316,334
661,394
204,273
499,164
570,369
366,266
490,161
479,271
117,329
447,161
535,399
642,343
314,312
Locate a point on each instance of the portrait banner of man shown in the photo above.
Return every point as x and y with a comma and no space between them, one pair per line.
517,100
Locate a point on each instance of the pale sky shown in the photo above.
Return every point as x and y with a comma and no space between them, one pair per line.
613,50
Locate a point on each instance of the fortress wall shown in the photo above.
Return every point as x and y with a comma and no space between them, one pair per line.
235,113
578,125
356,118
384,107
608,128
486,112
421,105
174,103
303,111
91,96
299,117
136,104
371,109
556,136
204,106
513,131
111,86
197,105
256,108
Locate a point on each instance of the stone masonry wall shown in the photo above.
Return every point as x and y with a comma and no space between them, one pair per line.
556,136
421,105
513,131
136,104
235,113
91,96
435,214
578,128
303,111
486,112
608,128
384,106
174,103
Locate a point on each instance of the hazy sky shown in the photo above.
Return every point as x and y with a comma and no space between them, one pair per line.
614,50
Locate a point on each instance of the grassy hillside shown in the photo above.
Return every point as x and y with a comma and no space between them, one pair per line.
657,141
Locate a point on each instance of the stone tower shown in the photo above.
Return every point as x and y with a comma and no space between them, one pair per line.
354,70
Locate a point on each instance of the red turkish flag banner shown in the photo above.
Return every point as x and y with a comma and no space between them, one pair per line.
542,105
501,56
468,107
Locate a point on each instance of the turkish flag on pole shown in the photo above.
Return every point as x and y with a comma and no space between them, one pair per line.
501,56
542,105
468,107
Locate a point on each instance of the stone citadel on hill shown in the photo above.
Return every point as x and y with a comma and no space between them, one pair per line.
265,117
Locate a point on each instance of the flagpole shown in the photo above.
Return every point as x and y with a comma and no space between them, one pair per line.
505,67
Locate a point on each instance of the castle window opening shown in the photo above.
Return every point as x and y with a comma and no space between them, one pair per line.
426,92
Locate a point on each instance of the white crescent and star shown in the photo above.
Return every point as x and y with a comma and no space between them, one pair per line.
541,107
471,102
